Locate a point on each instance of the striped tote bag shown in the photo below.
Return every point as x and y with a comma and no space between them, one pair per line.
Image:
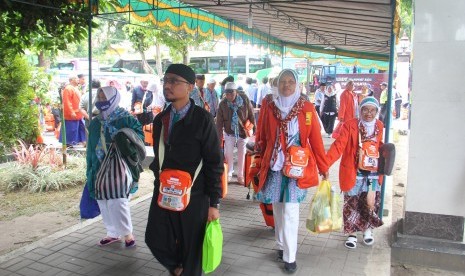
114,179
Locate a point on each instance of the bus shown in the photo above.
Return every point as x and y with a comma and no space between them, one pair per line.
216,66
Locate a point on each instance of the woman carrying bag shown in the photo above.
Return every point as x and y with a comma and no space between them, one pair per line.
359,143
107,149
289,141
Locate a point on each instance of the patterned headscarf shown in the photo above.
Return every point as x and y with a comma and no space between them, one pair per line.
235,105
110,92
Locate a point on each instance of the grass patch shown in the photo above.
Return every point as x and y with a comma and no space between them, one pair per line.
23,203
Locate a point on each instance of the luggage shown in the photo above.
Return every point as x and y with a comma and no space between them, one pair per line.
386,159
148,134
267,211
247,162
224,181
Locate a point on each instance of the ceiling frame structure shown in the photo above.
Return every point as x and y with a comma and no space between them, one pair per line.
341,27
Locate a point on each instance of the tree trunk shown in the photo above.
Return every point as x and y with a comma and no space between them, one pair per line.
43,61
145,65
185,55
159,61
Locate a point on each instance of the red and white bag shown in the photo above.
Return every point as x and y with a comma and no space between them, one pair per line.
296,160
175,185
368,155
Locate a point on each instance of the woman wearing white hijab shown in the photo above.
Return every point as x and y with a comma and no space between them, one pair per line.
359,143
102,131
288,121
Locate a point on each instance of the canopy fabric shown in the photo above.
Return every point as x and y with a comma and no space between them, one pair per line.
178,16
349,28
332,59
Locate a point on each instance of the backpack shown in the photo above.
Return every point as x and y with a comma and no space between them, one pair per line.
330,104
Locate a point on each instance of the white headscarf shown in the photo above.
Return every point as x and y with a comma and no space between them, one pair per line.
369,126
328,93
285,103
110,92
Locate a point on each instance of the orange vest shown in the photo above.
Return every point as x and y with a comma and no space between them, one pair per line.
310,138
347,106
347,146
71,98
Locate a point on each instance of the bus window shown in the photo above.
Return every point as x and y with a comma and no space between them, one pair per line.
256,64
199,65
218,64
238,65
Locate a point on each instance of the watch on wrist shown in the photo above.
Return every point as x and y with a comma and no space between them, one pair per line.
217,206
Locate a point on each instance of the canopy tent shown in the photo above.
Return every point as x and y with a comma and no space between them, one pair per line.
178,16
333,59
348,28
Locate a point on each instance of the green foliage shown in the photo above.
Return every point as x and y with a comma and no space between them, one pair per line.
24,26
179,43
40,84
45,177
18,114
406,15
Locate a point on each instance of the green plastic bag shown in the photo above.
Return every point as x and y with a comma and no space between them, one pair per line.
212,246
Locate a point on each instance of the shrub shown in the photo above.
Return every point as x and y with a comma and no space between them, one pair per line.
18,114
18,176
40,169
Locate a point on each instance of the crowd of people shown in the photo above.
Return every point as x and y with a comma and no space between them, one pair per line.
195,130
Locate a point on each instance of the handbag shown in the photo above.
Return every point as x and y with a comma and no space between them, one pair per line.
248,128
114,179
88,206
368,155
212,250
296,160
175,185
139,106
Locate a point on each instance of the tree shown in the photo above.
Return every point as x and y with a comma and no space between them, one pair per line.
23,26
142,38
406,16
180,42
45,26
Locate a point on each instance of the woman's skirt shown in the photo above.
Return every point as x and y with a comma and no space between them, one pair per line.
357,216
279,188
75,132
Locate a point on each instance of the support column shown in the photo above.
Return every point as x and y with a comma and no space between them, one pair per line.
432,230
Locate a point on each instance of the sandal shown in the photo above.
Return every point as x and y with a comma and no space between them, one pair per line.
368,237
351,242
130,243
107,241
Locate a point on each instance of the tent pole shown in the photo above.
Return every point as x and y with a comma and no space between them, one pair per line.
89,46
387,126
229,47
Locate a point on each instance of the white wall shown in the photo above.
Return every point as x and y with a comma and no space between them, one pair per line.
436,176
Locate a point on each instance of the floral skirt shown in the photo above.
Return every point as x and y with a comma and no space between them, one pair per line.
357,216
280,188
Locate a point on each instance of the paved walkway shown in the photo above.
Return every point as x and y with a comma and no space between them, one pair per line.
248,249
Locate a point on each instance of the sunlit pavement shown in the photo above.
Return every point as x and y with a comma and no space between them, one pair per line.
248,249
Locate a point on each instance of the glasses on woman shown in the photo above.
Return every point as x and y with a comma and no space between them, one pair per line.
173,81
369,110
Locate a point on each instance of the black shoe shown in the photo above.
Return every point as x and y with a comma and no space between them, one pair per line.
280,255
290,268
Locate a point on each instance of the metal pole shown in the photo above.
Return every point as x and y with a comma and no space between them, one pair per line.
387,126
229,47
282,55
89,46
